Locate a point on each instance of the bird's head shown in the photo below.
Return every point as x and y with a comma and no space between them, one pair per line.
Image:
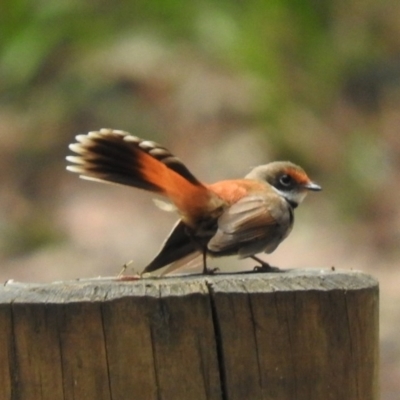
288,179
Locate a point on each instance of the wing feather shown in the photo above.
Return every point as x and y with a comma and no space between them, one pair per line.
177,245
254,224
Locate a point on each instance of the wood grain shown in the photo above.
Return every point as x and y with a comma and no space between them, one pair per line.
298,335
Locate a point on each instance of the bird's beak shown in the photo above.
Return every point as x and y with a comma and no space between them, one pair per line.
312,186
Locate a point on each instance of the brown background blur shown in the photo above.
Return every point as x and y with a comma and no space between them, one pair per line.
226,87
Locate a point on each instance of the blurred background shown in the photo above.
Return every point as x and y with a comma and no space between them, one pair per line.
224,86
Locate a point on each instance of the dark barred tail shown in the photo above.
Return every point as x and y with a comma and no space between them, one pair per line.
115,156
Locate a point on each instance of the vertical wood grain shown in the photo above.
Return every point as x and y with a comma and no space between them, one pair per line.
296,335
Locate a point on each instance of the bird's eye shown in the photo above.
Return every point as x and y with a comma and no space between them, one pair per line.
285,180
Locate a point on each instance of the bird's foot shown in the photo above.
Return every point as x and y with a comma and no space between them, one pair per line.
210,271
264,267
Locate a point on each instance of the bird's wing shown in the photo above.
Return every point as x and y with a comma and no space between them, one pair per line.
256,220
177,245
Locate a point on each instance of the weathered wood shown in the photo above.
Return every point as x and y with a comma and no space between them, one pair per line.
299,335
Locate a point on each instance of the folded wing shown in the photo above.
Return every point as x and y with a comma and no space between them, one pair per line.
252,226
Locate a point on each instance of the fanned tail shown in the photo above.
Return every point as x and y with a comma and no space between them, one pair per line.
116,156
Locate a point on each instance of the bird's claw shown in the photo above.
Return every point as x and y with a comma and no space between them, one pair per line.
265,268
210,271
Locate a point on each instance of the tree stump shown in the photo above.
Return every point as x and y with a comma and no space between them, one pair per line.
298,335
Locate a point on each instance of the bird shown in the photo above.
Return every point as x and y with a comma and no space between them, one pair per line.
242,217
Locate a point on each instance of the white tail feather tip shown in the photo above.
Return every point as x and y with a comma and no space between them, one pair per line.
77,148
94,135
75,159
76,168
131,138
119,132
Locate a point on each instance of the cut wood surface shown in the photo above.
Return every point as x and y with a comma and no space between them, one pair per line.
298,335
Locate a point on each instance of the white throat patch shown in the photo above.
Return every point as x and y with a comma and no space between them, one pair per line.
292,196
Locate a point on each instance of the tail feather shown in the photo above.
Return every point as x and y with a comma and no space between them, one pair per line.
108,156
116,156
109,147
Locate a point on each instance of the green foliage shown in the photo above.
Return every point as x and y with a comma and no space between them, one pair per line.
307,57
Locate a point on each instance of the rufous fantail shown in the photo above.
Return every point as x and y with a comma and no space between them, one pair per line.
240,217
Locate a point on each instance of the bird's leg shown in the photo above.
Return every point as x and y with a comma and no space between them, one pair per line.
264,266
207,271
201,245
